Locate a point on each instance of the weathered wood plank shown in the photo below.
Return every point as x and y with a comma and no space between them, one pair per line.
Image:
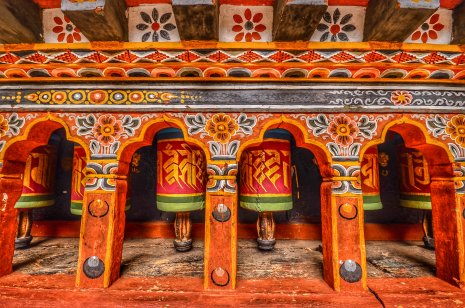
99,20
458,27
21,22
196,19
296,20
395,20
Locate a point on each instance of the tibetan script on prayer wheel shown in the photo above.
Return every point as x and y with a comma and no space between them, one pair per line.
180,173
265,174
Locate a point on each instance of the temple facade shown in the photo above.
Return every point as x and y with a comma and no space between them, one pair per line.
233,112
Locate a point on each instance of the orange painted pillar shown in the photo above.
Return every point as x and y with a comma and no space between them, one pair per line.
221,227
448,233
344,256
102,226
459,183
11,186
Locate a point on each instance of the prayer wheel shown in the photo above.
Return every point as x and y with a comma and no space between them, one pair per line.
180,182
369,175
265,182
415,184
78,185
38,190
79,181
415,188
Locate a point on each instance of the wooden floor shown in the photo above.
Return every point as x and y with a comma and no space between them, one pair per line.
290,259
401,275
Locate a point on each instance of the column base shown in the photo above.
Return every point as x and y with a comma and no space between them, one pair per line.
182,246
23,242
266,245
428,242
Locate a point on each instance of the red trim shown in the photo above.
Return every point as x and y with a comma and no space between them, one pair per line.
373,232
48,4
248,2
348,2
450,4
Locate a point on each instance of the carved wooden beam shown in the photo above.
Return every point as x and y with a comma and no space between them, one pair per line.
458,27
20,22
395,20
296,20
98,20
196,19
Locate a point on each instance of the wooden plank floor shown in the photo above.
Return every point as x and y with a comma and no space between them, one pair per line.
401,275
290,259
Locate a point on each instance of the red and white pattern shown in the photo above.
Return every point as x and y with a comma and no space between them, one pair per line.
59,29
246,23
435,30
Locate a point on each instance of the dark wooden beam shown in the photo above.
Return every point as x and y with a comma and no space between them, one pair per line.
395,20
20,22
99,20
196,19
458,27
296,20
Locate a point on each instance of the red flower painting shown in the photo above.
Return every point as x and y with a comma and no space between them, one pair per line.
248,26
66,30
428,30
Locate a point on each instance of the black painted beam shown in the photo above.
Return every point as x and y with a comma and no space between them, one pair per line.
99,20
395,20
20,22
196,19
296,20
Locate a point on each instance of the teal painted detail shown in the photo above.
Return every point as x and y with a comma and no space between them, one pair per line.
76,208
180,203
266,204
416,202
372,203
32,202
170,133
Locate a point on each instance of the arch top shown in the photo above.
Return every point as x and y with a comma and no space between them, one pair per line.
37,133
301,137
416,136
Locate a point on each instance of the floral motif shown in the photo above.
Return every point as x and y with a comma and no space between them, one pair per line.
155,27
221,127
105,132
335,29
343,130
4,127
248,27
66,30
456,129
401,98
428,30
107,129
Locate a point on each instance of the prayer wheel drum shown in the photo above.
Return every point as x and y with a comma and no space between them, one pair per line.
78,185
38,190
79,181
266,182
415,183
369,176
181,182
39,179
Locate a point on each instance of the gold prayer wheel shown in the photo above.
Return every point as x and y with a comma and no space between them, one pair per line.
369,176
415,183
181,182
266,182
38,190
